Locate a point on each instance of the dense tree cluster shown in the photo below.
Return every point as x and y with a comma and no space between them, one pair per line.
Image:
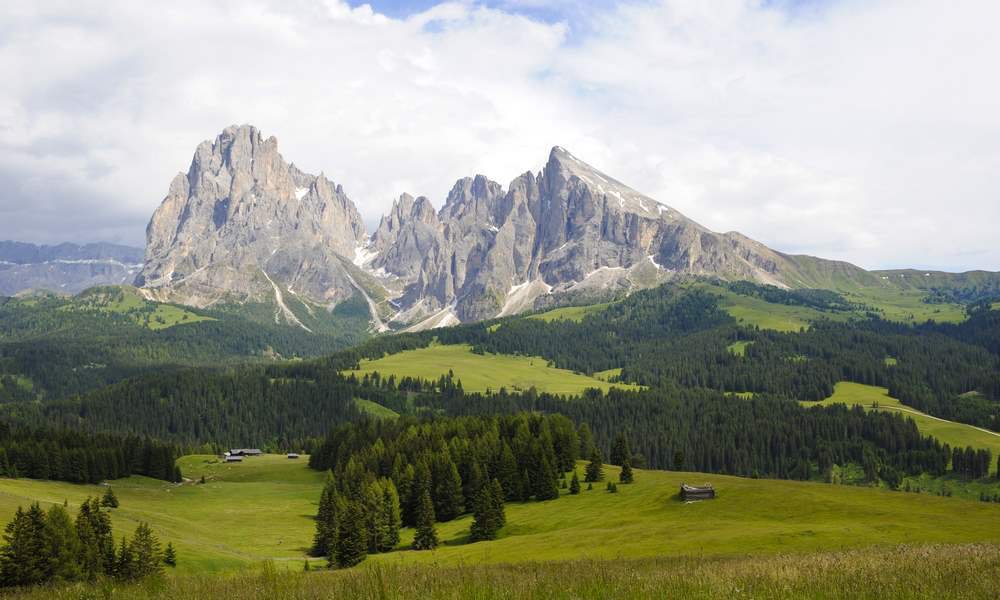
972,463
48,546
434,470
73,456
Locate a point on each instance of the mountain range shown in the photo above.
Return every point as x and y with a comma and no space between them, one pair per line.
244,226
65,268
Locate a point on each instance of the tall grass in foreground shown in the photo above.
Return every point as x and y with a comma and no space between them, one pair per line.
926,571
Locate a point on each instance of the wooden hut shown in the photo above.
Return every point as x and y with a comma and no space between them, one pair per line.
697,492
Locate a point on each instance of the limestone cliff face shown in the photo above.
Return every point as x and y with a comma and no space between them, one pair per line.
244,225
568,228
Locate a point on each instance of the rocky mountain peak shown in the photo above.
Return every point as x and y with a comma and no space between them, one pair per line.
243,223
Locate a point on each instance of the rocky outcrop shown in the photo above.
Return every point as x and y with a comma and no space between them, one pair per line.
244,225
570,228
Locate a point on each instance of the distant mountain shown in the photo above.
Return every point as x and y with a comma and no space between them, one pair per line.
65,268
244,226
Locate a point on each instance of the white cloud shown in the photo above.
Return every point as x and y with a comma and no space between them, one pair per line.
863,131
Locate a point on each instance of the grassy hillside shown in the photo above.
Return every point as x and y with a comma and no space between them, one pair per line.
569,313
262,509
968,571
949,432
479,372
126,300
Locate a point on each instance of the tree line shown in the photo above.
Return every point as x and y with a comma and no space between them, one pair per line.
49,547
76,457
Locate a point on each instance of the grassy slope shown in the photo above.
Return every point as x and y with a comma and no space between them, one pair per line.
126,300
569,313
262,509
954,434
375,409
479,372
739,348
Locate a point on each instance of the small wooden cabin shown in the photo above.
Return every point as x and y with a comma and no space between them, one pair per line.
245,452
292,455
234,459
696,492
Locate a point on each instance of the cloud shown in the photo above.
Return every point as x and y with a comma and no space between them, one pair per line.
862,131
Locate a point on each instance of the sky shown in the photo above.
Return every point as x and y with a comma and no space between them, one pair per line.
860,130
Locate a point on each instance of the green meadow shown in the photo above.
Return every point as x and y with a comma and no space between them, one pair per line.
739,348
479,372
375,409
569,313
262,510
949,432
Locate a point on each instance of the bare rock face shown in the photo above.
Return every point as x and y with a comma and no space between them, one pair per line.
568,229
244,225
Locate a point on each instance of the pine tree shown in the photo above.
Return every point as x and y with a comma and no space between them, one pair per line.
109,500
326,520
484,525
626,475
489,515
62,545
498,503
620,451
448,492
586,440
595,470
574,484
352,539
426,536
170,556
23,557
125,564
146,552
546,486
392,519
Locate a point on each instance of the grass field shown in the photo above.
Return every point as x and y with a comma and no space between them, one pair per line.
262,510
569,313
739,348
954,434
375,409
968,571
481,372
126,300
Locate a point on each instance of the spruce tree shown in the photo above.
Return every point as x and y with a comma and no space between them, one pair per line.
352,539
109,500
62,545
626,475
546,486
574,484
146,552
125,565
170,556
595,469
620,451
23,557
498,503
484,525
392,519
426,536
326,520
448,492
